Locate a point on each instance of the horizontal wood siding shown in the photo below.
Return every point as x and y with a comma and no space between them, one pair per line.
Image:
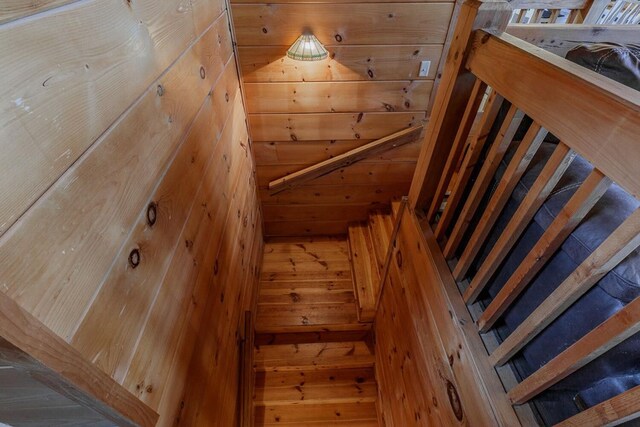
302,113
130,220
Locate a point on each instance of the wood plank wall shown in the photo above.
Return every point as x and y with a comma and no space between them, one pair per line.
130,222
428,355
302,113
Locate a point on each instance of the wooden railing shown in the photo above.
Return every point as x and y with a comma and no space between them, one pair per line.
593,117
557,11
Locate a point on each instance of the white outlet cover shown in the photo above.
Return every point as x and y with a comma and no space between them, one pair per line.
424,68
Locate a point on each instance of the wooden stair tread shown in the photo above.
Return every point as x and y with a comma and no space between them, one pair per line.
316,386
274,317
300,357
306,295
346,414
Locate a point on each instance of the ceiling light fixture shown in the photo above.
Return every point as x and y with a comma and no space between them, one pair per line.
307,48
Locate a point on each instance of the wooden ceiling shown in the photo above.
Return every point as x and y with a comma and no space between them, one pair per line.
301,113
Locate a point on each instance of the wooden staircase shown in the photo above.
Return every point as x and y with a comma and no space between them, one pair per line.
315,384
368,244
313,359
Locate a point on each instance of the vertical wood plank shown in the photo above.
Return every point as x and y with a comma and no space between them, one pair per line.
516,168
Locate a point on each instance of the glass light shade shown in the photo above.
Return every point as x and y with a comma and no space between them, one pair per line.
307,48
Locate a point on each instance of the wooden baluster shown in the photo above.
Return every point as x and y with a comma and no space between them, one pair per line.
542,187
601,339
521,15
565,222
464,128
528,147
470,159
452,95
619,409
610,253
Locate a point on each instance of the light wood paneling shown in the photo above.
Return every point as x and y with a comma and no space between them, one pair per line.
329,97
79,230
430,360
287,154
144,250
313,127
156,243
367,89
60,72
355,23
346,63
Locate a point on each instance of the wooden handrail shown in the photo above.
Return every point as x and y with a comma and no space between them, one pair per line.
345,159
595,116
29,345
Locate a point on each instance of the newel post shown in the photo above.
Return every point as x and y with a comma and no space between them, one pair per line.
454,90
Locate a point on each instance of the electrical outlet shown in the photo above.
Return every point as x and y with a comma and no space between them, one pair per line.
424,68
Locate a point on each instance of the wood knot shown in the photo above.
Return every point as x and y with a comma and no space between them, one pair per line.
399,259
152,214
203,74
454,400
134,258
160,90
338,38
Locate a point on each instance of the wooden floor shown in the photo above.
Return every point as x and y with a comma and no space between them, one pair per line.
314,361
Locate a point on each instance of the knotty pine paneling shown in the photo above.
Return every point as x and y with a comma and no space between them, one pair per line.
427,358
348,24
346,63
129,166
305,112
61,71
311,127
329,97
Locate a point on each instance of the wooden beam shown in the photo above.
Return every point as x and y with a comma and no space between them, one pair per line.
601,339
27,344
617,410
561,38
350,157
610,253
